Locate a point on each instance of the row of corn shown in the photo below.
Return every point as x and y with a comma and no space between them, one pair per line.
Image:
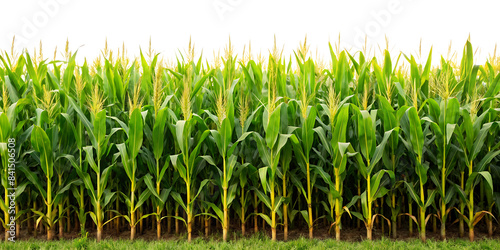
119,144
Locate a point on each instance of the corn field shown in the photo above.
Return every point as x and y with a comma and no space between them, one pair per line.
249,143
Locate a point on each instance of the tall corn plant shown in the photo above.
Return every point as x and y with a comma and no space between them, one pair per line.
187,164
254,80
246,171
48,154
41,143
491,78
414,141
79,135
65,139
386,89
443,117
269,150
13,120
284,171
223,90
67,79
51,195
370,154
158,168
362,93
129,152
414,93
97,189
62,85
336,145
391,158
190,132
270,147
471,135
5,154
475,131
11,133
304,137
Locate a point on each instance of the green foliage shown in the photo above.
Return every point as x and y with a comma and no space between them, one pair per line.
261,140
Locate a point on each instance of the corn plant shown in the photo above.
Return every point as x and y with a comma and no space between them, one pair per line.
270,147
386,89
371,154
128,153
187,162
471,136
443,120
337,149
10,131
269,150
50,194
4,137
414,94
15,99
161,194
78,132
414,141
304,137
157,168
49,152
245,170
98,190
224,120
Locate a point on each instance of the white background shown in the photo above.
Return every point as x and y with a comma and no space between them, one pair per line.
210,22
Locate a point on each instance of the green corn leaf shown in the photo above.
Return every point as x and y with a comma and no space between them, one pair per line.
159,133
416,134
413,194
135,133
273,127
143,197
41,143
